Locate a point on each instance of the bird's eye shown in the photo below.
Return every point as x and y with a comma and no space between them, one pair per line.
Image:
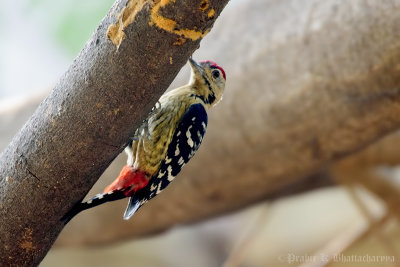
215,74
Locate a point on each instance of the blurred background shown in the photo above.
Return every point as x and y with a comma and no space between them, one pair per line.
337,225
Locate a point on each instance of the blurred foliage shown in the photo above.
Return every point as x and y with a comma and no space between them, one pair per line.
69,22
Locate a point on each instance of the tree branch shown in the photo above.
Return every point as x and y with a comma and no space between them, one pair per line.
132,57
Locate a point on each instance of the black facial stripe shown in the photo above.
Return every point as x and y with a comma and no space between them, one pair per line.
199,96
211,96
208,83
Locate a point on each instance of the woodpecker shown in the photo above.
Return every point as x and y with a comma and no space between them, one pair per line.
165,141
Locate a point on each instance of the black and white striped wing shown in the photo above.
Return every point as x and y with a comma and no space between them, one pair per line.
184,144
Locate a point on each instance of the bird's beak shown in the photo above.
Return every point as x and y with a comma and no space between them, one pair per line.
195,66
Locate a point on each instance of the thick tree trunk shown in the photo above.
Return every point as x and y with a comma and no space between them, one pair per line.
132,57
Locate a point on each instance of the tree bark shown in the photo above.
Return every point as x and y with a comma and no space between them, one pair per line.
306,85
84,123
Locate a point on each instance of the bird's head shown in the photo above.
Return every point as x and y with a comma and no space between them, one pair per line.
208,79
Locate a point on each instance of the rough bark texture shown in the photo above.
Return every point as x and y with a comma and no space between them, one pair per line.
308,82
76,132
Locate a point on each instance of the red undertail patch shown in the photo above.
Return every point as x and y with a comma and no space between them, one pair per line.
129,180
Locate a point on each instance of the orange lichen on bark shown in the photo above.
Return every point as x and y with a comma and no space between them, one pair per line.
115,32
169,25
211,13
204,5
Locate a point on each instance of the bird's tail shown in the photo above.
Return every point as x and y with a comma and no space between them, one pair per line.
133,205
93,202
127,184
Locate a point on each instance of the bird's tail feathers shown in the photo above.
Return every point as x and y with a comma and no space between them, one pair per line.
133,206
93,202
